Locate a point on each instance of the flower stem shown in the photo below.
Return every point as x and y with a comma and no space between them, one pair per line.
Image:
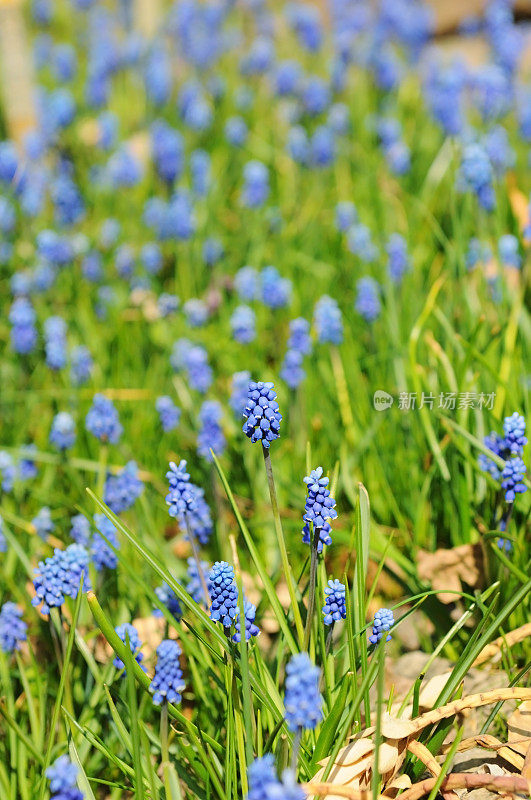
282,544
329,639
311,590
197,560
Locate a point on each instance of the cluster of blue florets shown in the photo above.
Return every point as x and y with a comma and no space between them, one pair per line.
59,576
224,606
383,622
368,298
168,598
194,587
193,359
43,523
126,632
319,508
102,420
211,436
63,431
13,629
55,342
63,780
299,345
187,503
123,489
223,594
239,389
328,321
169,413
334,608
180,498
243,324
262,414
302,700
510,448
167,684
103,556
265,785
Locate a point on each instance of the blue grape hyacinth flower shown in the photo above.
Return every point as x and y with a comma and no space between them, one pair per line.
63,780
328,321
103,556
514,433
383,621
251,629
63,431
180,497
194,587
122,490
43,523
302,700
59,576
262,414
102,420
318,510
167,684
168,598
13,629
512,478
261,774
223,594
128,631
169,413
334,608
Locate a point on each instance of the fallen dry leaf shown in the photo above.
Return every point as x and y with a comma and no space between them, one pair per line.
494,649
519,728
450,569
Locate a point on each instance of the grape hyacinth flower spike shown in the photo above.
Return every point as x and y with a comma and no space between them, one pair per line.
383,621
302,699
167,684
63,780
262,414
319,508
129,635
13,629
262,424
183,499
334,608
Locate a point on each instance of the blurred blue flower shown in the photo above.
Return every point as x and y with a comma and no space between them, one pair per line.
123,489
102,420
302,700
126,632
328,321
210,436
169,413
13,629
63,431
242,323
368,298
102,555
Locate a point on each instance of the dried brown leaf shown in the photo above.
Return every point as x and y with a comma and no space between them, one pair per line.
519,728
494,649
450,569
